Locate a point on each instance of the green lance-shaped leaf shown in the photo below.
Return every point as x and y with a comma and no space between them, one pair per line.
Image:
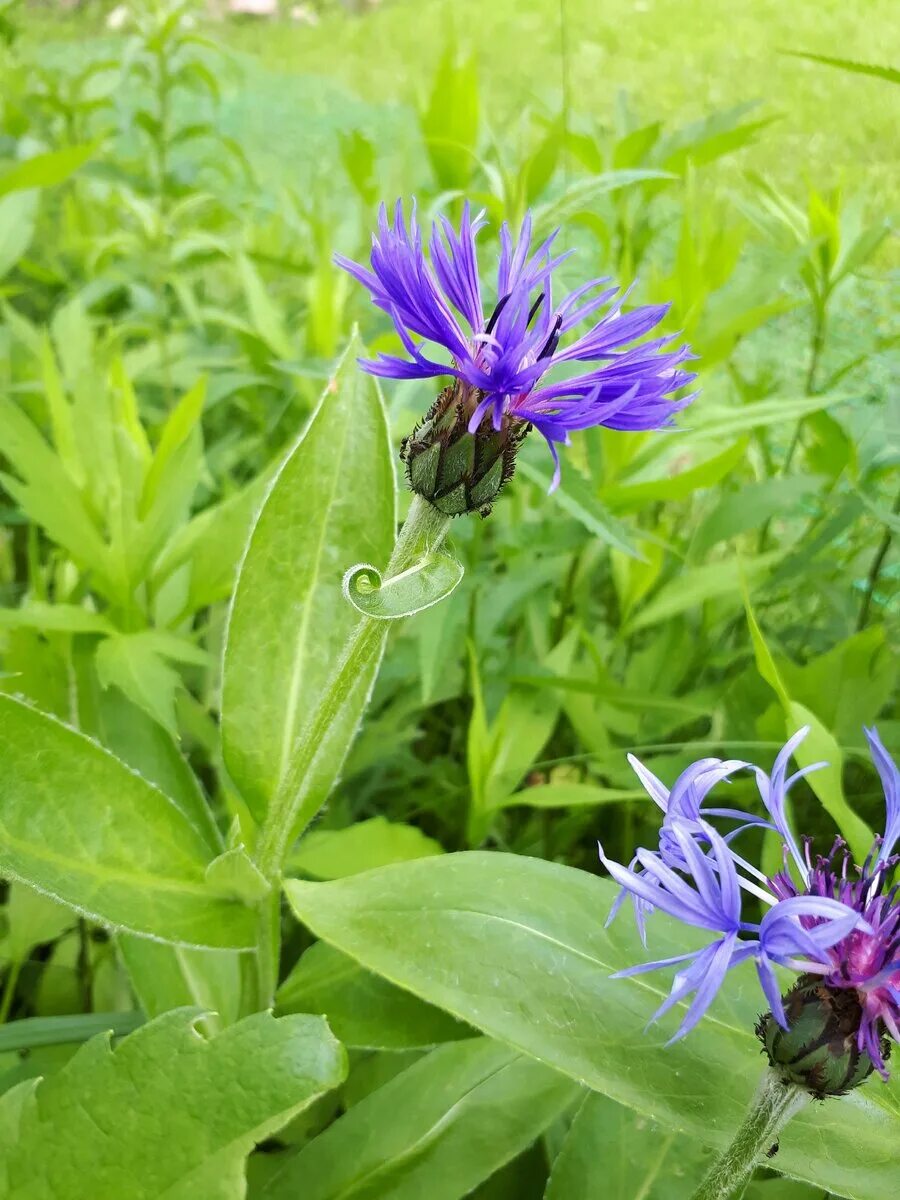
876,70
332,503
583,195
525,956
78,825
425,583
18,219
162,976
437,1129
365,1011
781,1189
166,1115
613,1153
333,853
819,746
449,120
698,585
133,736
576,498
33,1032
45,170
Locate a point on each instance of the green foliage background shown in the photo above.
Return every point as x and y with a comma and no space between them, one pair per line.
171,195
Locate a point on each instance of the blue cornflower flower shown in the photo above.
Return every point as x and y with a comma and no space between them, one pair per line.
867,961
839,928
684,805
707,894
500,356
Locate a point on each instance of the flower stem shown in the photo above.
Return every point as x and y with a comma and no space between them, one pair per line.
770,1110
294,806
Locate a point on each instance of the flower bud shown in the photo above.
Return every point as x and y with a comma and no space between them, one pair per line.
455,470
819,1051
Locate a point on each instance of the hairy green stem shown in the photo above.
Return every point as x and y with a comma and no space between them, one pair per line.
293,807
268,947
770,1110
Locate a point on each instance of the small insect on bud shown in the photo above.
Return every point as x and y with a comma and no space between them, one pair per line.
820,1050
455,470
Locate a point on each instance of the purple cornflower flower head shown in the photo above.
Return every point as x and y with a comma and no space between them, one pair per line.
707,894
499,355
867,960
839,927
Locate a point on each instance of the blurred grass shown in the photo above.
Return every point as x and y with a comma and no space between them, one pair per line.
676,58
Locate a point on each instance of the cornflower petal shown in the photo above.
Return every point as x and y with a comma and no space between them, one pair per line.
637,885
573,313
783,936
643,968
710,884
728,953
655,789
456,266
771,988
890,781
388,366
693,785
773,791
704,977
694,906
840,928
608,334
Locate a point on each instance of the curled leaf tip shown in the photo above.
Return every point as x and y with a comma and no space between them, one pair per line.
420,586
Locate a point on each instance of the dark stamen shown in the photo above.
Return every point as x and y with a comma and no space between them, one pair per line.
552,341
501,304
533,313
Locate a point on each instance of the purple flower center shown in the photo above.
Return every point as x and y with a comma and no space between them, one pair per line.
867,959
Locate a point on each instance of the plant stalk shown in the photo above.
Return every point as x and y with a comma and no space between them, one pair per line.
875,569
770,1110
816,350
817,347
9,989
292,807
